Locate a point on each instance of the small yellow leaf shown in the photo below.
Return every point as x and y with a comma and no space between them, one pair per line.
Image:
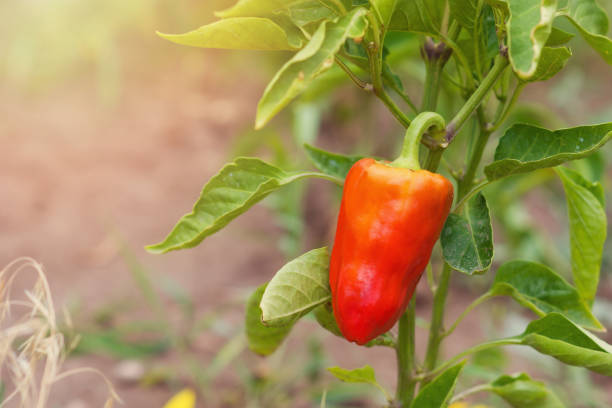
459,405
184,399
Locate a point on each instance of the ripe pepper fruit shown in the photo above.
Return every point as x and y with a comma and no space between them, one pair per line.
390,218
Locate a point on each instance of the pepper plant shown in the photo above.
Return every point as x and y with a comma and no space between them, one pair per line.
393,211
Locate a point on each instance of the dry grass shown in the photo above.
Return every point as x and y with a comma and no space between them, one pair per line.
32,349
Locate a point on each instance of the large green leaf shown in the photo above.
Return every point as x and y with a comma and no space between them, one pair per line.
231,192
334,164
465,11
558,37
297,288
529,26
421,16
384,10
520,391
525,148
261,8
316,57
543,291
241,33
588,226
558,337
437,393
467,242
262,339
551,62
363,375
592,23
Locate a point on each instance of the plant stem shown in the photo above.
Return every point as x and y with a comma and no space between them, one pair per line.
405,352
358,81
467,310
475,349
476,98
507,108
437,319
432,86
474,161
374,50
470,391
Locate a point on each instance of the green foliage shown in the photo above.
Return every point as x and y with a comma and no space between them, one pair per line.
529,26
467,242
297,288
240,33
592,23
334,164
364,375
236,188
438,392
543,291
262,339
520,391
588,227
525,148
312,60
556,336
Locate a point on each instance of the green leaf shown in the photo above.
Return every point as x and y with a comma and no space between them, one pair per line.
334,164
465,11
231,192
364,375
384,10
315,58
263,8
467,242
525,148
297,288
551,62
543,291
592,23
558,337
588,226
529,26
558,37
262,339
420,16
520,391
308,12
241,33
325,317
437,393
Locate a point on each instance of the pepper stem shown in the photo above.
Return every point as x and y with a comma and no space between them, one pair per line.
409,157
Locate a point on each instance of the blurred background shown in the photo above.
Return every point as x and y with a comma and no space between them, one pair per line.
109,134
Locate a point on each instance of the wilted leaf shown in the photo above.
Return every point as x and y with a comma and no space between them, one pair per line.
529,26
